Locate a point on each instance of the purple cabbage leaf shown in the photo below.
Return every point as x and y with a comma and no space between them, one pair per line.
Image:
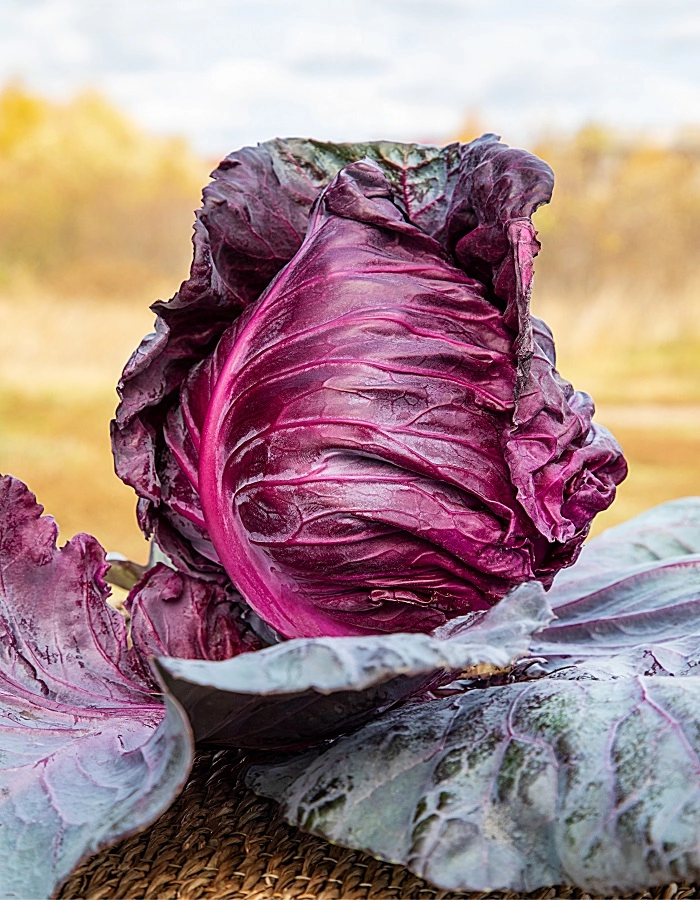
305,690
90,750
633,597
584,770
252,222
379,440
173,614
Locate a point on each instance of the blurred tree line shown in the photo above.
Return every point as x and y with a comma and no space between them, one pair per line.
89,204
625,213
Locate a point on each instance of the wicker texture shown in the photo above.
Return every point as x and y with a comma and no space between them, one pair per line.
219,840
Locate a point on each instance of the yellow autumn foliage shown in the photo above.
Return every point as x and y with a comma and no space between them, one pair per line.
89,204
618,278
625,212
619,260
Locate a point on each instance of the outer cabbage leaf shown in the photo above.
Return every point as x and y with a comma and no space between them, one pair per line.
354,468
633,597
88,754
588,776
306,690
647,620
589,783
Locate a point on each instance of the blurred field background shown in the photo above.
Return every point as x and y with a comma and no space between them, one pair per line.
95,223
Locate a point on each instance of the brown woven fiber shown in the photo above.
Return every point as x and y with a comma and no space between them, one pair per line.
220,841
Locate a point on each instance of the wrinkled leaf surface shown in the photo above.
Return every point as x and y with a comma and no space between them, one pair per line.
87,753
590,783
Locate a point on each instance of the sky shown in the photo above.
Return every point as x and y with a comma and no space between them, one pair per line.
225,73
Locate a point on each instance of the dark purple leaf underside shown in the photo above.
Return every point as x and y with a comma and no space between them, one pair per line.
173,614
302,691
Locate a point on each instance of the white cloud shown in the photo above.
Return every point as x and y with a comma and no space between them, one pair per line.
228,72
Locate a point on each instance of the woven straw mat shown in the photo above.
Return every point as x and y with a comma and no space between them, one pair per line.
221,841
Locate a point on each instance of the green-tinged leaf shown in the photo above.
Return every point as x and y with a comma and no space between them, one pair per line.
583,782
588,776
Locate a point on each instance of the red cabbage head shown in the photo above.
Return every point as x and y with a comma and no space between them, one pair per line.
348,409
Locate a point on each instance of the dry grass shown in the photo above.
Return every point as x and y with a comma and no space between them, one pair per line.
59,363
623,348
